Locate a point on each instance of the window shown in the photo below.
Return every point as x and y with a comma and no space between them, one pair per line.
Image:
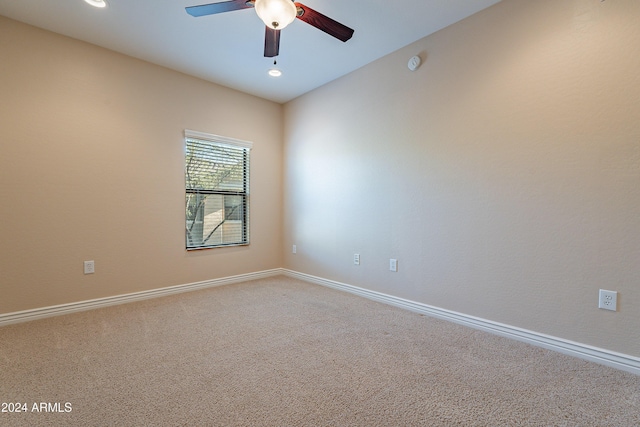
217,191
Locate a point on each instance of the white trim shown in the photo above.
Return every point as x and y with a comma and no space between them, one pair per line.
605,357
217,139
58,310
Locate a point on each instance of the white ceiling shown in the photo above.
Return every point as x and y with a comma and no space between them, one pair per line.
228,48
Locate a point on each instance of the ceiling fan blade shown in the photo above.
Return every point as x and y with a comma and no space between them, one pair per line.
324,23
213,8
271,42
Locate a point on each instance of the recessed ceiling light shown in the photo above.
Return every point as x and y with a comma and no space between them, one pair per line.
97,3
274,72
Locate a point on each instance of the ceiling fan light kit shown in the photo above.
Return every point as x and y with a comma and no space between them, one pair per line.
97,3
276,14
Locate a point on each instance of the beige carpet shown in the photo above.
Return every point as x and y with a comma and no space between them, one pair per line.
281,352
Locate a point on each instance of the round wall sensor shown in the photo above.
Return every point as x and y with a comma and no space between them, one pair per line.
414,63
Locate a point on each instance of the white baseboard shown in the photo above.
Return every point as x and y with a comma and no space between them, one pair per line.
616,360
57,310
583,351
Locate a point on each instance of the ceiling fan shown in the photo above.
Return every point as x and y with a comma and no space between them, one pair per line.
277,14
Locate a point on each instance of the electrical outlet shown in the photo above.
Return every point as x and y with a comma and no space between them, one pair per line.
356,259
608,300
89,267
393,264
294,249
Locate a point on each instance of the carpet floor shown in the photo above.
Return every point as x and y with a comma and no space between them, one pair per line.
282,352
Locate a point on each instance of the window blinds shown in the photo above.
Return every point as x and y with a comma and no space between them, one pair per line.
217,191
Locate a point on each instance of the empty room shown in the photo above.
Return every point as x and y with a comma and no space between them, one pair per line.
327,213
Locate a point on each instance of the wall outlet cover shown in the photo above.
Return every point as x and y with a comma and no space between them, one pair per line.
89,267
608,300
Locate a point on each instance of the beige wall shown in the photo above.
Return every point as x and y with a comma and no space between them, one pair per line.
92,168
504,174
